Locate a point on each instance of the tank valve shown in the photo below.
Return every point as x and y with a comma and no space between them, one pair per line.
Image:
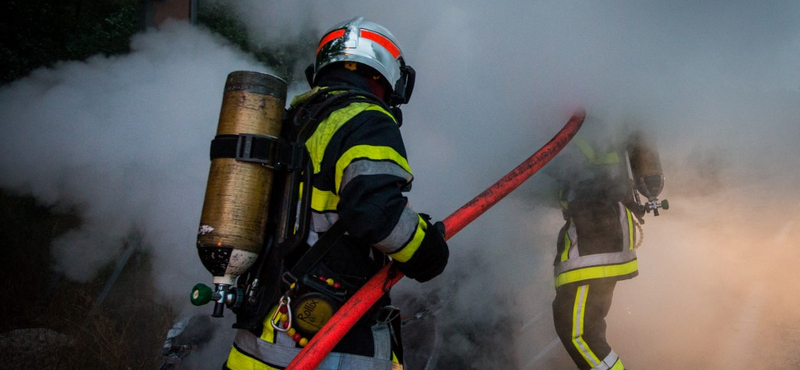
654,205
223,296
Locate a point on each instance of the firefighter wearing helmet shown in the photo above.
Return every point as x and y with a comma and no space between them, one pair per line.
360,218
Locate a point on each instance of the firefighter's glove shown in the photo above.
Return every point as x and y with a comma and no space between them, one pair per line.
431,258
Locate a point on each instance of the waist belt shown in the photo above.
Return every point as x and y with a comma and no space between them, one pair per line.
281,353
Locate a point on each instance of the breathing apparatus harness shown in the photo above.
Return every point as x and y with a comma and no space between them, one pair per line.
275,277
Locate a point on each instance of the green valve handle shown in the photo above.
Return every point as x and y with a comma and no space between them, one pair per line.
201,294
664,204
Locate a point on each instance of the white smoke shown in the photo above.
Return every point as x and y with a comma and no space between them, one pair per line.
125,140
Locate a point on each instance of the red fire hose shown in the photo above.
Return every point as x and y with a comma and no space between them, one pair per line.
355,307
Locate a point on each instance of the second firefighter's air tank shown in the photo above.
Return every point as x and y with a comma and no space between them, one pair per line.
234,217
646,169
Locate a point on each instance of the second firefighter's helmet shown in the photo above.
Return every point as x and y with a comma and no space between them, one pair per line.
362,41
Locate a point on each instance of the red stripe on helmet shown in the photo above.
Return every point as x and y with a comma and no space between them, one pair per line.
383,41
330,37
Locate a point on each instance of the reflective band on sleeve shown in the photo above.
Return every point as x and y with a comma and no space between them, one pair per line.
407,225
374,153
405,253
369,167
322,221
322,200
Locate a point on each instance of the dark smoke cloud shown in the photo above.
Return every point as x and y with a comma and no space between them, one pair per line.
125,140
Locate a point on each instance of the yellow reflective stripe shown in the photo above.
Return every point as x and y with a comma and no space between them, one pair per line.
378,108
618,365
322,200
588,151
240,361
562,200
595,272
607,158
631,241
578,319
375,153
405,253
318,142
567,242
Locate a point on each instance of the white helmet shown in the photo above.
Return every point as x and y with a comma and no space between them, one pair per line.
362,41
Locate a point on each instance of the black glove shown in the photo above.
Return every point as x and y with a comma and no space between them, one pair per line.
431,257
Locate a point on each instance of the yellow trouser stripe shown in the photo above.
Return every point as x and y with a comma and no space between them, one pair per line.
578,314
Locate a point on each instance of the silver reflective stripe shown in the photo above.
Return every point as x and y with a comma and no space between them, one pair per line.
282,353
383,344
578,322
600,259
321,222
405,229
575,260
368,167
572,232
608,362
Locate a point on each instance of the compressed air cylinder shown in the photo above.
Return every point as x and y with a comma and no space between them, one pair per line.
646,166
234,217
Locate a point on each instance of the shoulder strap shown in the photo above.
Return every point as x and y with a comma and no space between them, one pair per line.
304,118
308,114
315,253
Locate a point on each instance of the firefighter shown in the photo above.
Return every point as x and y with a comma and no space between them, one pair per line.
596,246
360,173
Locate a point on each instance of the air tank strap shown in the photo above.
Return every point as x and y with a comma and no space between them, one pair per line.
269,151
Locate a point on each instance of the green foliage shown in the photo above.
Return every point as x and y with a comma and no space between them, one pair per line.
284,58
128,329
40,33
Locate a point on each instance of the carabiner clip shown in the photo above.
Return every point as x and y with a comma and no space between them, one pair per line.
283,307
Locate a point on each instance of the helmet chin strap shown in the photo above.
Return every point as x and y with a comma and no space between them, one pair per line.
309,72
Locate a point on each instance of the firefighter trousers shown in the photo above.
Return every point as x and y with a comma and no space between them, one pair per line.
579,312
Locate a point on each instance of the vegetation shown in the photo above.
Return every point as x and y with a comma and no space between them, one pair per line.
40,33
282,58
125,332
128,328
